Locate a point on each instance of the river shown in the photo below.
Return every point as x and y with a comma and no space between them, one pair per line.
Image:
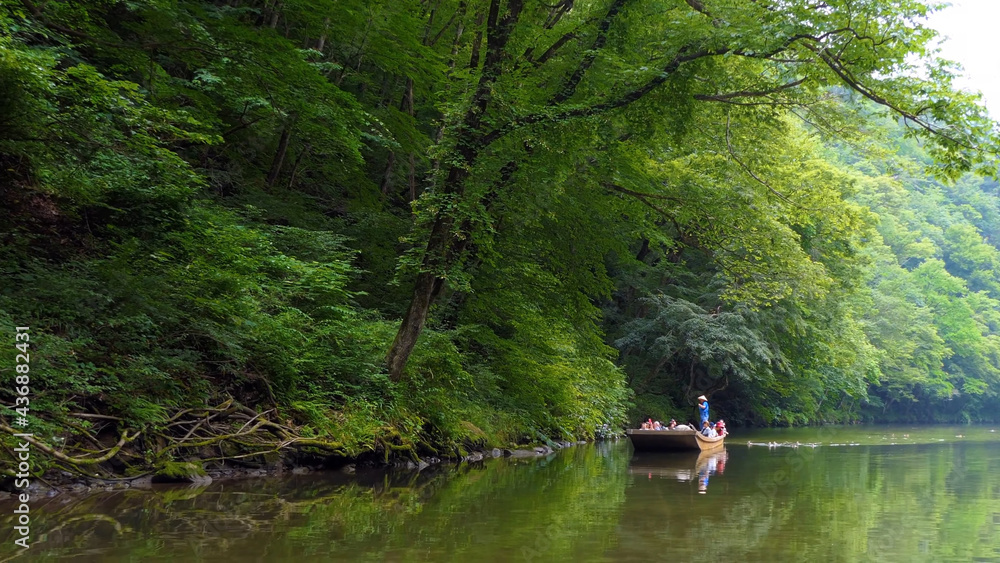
860,493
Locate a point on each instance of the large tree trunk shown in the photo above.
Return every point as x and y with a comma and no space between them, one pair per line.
387,176
279,156
477,42
322,38
459,30
295,167
407,105
411,178
413,324
275,16
425,288
442,249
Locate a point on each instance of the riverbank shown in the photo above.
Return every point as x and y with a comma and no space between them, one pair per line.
226,455
65,483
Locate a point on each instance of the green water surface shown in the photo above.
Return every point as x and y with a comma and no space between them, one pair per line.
898,494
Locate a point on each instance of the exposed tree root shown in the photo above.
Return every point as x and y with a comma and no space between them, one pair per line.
248,434
76,461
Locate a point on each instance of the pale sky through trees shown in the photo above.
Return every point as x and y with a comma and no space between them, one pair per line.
970,27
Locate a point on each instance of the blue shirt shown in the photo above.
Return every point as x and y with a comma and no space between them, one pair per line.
703,408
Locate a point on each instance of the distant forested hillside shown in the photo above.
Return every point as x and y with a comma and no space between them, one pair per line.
906,331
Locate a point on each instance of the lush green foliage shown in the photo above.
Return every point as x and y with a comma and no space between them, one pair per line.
257,200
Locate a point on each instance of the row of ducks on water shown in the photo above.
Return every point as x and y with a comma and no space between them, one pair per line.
813,445
784,444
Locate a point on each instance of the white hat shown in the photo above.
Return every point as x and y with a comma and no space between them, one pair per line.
702,398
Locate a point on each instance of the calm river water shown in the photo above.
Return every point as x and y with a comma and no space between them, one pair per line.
842,494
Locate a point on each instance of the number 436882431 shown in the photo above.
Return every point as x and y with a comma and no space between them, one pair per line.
22,368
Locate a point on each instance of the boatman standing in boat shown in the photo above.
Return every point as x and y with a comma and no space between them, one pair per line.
703,409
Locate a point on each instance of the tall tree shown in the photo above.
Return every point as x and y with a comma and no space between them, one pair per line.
620,59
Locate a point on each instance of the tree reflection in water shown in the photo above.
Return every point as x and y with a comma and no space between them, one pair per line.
600,503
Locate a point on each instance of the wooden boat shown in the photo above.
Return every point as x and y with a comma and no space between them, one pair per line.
672,440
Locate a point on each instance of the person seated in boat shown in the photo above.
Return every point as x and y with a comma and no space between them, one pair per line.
672,424
657,425
720,428
708,431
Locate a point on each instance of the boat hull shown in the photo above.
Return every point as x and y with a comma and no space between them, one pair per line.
672,440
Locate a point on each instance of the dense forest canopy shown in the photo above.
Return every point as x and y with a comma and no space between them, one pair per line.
428,225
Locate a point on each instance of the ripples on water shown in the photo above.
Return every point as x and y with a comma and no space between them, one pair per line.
925,501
